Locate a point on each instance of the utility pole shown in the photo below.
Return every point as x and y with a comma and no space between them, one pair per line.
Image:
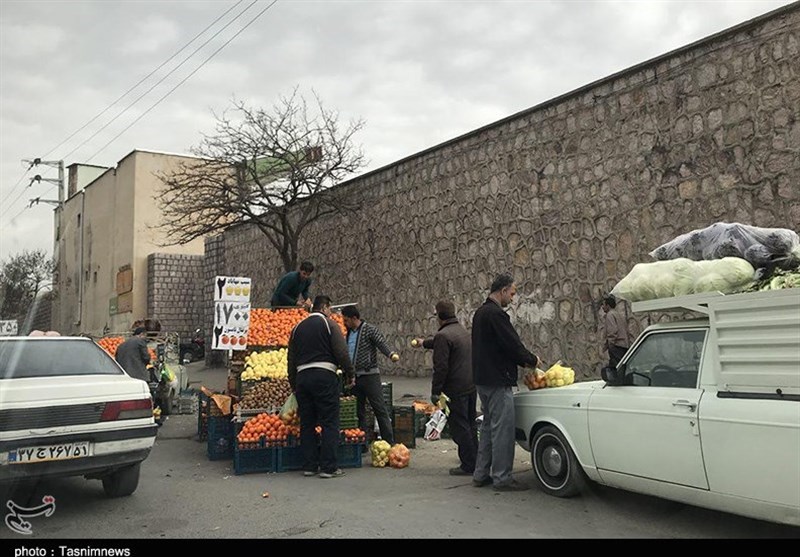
59,204
57,181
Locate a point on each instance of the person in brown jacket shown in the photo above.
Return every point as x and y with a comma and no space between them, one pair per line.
615,332
452,375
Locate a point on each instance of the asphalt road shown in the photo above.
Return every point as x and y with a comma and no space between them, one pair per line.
183,495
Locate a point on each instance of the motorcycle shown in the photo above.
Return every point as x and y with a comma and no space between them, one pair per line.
194,350
163,385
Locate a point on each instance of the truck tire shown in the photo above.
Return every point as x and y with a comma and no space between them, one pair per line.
122,482
555,466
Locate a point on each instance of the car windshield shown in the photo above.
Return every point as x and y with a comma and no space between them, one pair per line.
53,357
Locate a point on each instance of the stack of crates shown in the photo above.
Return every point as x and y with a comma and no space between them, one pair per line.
348,418
404,426
348,455
220,438
251,458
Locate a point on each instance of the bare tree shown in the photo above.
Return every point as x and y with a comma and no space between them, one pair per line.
269,168
22,278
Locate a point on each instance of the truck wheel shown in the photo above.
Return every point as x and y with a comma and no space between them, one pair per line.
122,482
557,469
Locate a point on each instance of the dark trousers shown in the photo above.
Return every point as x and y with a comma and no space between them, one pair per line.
461,422
615,354
368,388
318,404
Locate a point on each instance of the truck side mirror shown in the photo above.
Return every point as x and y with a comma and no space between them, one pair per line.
612,375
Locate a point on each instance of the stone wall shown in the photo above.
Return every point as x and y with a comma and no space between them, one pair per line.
568,196
174,292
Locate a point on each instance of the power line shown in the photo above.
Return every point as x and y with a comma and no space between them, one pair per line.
145,78
160,81
182,81
15,187
98,115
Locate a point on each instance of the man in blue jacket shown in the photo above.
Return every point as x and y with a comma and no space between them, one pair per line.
496,352
363,342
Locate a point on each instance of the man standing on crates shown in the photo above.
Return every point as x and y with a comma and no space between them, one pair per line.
363,342
316,349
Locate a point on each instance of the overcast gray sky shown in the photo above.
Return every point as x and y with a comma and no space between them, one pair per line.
418,72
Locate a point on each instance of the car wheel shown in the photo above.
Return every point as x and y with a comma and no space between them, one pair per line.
122,482
556,468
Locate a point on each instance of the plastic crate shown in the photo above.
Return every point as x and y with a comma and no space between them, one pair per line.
388,397
404,426
349,455
220,437
205,408
290,458
348,417
252,460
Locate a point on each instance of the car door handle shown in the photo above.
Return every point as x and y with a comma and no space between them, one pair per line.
683,402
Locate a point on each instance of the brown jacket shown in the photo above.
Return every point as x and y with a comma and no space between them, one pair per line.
452,360
615,330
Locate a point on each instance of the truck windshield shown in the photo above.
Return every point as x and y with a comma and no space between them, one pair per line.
667,359
51,357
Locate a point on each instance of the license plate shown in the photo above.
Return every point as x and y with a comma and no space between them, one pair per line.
44,453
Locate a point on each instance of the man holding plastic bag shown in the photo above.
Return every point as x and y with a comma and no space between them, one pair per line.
452,377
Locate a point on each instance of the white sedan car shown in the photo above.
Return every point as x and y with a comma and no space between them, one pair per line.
68,409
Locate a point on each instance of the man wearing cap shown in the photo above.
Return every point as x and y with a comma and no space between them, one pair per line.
452,375
133,355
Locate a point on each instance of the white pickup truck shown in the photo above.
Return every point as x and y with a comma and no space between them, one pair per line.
706,411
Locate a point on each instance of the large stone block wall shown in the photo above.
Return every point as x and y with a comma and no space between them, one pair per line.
568,196
174,292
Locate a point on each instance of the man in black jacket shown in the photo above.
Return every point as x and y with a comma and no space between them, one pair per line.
363,343
452,375
496,352
316,350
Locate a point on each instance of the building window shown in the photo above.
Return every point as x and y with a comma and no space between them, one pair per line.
79,220
95,277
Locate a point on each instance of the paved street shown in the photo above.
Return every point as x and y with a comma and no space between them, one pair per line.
184,495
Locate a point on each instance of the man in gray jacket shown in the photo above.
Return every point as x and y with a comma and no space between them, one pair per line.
363,342
452,375
133,355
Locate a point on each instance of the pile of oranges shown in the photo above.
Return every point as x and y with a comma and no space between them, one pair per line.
110,345
355,435
273,327
266,426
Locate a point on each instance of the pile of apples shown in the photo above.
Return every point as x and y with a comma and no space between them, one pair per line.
557,376
268,364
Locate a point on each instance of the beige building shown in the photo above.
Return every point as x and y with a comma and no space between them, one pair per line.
105,232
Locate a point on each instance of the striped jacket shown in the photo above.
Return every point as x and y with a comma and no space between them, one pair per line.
370,340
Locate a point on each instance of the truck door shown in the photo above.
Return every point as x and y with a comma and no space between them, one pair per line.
648,428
